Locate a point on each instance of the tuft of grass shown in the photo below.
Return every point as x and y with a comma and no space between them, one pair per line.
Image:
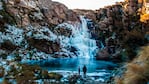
118,80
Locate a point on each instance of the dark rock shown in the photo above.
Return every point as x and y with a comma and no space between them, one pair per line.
7,45
63,31
48,47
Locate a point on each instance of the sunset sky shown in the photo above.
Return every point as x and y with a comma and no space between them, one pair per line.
87,4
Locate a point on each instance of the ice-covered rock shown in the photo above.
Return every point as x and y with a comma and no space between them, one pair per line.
41,33
12,34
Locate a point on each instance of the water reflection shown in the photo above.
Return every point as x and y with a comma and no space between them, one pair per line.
72,64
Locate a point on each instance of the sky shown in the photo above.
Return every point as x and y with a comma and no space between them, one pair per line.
87,4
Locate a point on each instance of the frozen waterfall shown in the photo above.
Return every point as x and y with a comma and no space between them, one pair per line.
82,41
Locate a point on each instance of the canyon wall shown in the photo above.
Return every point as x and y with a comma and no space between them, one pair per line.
29,26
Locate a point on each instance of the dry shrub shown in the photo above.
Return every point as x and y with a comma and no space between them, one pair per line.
134,79
134,69
144,55
118,80
138,70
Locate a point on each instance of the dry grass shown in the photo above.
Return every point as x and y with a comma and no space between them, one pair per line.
118,80
138,70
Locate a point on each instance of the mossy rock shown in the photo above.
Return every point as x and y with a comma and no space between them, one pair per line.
54,75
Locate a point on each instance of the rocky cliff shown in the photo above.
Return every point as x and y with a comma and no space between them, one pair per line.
28,27
122,28
42,29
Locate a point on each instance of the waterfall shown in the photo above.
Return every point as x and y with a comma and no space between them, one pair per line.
81,40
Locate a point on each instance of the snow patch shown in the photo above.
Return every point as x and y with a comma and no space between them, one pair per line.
12,34
41,33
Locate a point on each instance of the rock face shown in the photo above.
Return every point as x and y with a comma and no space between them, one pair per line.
56,13
116,28
29,27
43,12
33,25
43,29
90,14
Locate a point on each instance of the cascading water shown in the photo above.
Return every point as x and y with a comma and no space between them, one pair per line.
82,41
